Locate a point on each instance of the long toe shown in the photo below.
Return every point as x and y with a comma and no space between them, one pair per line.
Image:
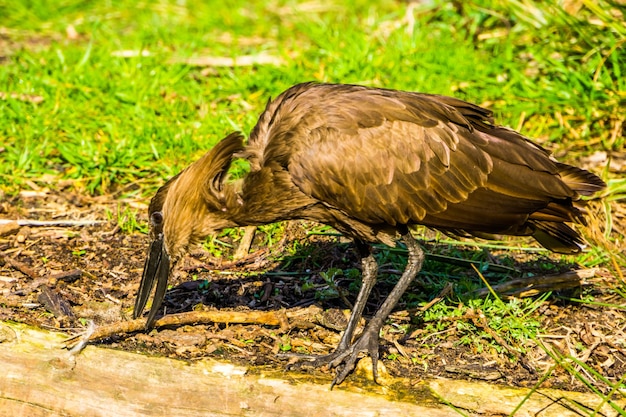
299,360
345,363
344,359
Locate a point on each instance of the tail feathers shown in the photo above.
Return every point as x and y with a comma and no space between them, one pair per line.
558,237
550,230
553,235
555,212
583,182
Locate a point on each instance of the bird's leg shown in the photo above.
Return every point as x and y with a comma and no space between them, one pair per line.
369,271
345,357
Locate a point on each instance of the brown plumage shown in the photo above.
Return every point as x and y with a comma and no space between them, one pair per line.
369,162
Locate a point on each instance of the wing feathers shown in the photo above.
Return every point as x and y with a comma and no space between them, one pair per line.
390,157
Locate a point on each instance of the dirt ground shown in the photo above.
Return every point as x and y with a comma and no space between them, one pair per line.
58,277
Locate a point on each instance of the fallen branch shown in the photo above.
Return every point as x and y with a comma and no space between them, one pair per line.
255,261
50,223
266,318
37,280
225,61
528,287
23,268
30,98
245,243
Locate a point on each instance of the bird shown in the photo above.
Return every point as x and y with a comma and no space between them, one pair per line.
371,163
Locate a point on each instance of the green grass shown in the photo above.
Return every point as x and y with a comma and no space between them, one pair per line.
72,108
108,121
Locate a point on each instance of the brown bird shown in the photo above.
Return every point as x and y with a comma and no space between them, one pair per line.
369,162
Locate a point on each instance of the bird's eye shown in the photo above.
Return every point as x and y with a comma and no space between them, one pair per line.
156,218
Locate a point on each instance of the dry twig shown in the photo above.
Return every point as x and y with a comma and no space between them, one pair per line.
245,243
254,261
266,318
50,223
225,61
528,287
23,268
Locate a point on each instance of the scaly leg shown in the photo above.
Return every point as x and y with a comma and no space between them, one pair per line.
345,356
369,271
345,359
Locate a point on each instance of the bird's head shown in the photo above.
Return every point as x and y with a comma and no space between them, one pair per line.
189,207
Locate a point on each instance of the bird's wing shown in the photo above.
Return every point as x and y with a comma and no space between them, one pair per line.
393,173
408,158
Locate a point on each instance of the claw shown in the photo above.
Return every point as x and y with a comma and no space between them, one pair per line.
346,362
344,359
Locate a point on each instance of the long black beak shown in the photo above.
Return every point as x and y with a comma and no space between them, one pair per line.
156,270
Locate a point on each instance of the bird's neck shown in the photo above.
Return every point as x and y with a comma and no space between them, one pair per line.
264,196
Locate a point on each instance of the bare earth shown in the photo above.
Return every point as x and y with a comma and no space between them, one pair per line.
55,277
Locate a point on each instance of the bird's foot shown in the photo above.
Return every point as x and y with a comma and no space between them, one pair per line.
344,358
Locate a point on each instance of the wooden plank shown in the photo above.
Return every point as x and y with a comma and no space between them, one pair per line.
39,378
